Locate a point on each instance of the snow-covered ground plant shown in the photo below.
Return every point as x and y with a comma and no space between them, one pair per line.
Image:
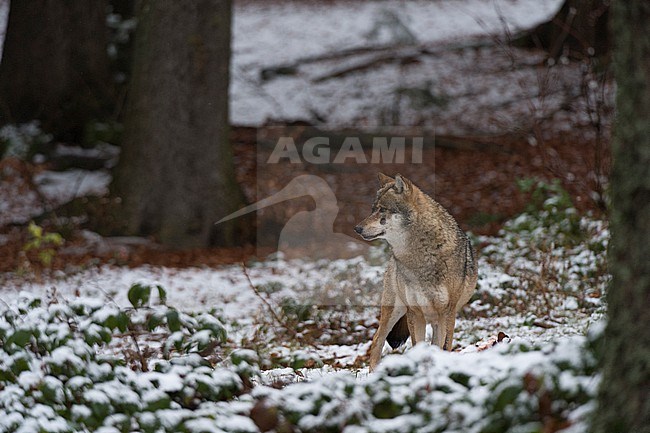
510,388
63,368
548,263
542,277
278,345
58,373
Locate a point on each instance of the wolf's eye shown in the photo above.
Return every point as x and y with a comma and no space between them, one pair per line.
382,221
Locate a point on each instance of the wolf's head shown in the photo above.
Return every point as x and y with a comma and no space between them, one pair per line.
392,210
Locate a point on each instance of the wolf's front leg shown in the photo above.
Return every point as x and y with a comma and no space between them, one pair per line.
438,325
417,325
443,330
389,316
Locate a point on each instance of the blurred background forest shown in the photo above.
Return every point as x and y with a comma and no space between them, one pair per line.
179,95
128,127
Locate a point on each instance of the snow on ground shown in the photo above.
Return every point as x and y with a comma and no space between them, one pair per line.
371,64
20,201
225,289
540,280
507,300
267,34
63,186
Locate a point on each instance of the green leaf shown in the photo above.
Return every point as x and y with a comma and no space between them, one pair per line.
460,378
386,409
173,320
46,256
507,396
162,294
20,364
139,295
35,230
91,337
6,375
21,337
154,321
106,336
162,402
207,321
122,321
33,244
53,238
244,355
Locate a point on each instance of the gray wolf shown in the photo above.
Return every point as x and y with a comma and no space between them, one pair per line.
432,270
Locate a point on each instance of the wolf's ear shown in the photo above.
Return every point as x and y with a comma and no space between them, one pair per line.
402,184
383,179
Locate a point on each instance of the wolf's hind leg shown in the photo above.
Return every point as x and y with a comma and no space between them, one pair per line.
449,334
389,317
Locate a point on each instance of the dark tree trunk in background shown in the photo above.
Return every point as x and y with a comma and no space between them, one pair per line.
577,26
624,404
176,176
55,66
123,57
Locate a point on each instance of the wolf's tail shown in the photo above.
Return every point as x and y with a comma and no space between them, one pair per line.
399,334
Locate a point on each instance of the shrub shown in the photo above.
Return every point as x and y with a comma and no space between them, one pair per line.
509,389
59,370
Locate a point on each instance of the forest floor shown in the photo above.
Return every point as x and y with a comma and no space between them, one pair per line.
502,126
517,150
477,178
297,331
482,187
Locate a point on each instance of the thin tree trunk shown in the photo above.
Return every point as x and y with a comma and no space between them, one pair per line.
578,28
624,400
176,176
55,66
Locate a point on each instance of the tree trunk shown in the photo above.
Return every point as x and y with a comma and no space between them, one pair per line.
176,176
578,27
624,400
55,66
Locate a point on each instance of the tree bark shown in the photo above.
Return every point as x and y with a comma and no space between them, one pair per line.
577,27
176,176
55,66
624,400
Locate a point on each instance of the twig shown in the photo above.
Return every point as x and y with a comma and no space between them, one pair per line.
268,305
554,51
131,332
371,63
143,361
240,73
